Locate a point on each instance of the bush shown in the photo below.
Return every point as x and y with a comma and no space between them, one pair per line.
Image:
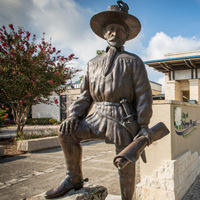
41,121
3,116
25,136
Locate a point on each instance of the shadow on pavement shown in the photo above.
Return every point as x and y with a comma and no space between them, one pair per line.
6,159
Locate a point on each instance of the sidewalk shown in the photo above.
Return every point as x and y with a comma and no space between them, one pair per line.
31,174
34,173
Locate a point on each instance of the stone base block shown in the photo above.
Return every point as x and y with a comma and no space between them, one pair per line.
172,180
86,193
37,144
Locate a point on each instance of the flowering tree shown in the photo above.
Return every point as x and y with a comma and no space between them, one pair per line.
30,71
3,116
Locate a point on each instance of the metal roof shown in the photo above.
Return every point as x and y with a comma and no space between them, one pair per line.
174,64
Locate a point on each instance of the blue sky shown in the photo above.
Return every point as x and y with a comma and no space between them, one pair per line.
167,26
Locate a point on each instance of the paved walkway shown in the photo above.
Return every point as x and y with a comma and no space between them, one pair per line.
34,173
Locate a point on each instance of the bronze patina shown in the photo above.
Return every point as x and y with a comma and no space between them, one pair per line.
117,83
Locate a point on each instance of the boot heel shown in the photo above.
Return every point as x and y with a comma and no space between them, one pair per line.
80,185
78,188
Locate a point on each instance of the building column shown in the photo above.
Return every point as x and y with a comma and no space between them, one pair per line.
173,91
195,90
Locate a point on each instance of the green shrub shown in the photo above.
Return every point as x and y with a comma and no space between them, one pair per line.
28,136
54,121
41,121
3,116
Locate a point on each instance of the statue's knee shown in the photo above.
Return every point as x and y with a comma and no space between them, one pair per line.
66,138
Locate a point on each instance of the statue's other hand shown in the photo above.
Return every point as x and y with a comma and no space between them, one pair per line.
69,125
146,132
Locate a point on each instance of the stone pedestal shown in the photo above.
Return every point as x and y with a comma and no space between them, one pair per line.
86,193
172,180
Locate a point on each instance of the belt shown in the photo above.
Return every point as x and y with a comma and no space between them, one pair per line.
106,103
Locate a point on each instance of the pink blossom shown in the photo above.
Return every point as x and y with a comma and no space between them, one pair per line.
55,73
2,37
28,34
4,44
56,101
11,26
21,31
14,72
16,35
71,56
58,52
50,81
20,101
33,82
12,54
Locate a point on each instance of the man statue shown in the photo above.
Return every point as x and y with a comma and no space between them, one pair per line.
109,79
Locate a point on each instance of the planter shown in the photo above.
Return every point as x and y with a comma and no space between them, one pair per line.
1,151
37,144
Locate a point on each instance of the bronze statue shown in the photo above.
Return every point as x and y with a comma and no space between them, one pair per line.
116,82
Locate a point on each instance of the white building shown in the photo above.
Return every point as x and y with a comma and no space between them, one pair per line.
59,111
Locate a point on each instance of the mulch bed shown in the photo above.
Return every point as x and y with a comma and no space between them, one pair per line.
10,148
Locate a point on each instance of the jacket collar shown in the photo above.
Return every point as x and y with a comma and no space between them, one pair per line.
119,49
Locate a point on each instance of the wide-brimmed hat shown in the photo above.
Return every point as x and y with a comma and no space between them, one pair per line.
116,14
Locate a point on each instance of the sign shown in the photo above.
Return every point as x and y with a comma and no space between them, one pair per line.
183,124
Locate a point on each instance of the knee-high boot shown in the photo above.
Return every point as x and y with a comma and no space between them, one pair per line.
73,156
74,179
127,181
126,178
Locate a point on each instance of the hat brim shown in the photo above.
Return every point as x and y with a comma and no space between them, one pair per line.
100,20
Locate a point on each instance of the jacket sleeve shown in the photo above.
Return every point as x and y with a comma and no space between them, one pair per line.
143,93
81,106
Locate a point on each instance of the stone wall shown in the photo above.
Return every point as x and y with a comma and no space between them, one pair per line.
47,111
171,180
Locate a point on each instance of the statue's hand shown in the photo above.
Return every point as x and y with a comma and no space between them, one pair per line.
146,132
69,125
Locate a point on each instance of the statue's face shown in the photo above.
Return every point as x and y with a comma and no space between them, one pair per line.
115,34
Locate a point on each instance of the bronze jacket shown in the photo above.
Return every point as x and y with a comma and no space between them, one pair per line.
126,78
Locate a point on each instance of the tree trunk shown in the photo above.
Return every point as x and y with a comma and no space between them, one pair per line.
20,113
20,128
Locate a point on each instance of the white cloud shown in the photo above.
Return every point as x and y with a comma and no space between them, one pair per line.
161,44
68,25
62,20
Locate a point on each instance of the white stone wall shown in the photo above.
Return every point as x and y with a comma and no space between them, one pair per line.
172,91
47,111
182,74
183,54
194,89
172,180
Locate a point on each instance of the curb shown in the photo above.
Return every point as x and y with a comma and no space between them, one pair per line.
1,151
37,144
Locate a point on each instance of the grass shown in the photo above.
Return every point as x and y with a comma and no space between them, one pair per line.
26,135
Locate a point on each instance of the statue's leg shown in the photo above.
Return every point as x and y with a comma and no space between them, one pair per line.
126,179
73,156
